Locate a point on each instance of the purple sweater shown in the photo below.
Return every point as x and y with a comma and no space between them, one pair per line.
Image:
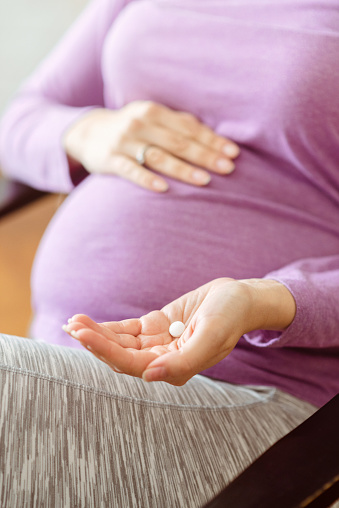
263,74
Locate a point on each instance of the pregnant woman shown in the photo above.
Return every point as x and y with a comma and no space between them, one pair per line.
198,143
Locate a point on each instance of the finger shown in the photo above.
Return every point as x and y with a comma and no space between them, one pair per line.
206,136
102,359
165,163
172,368
74,327
129,169
186,149
84,320
128,361
189,126
126,326
115,331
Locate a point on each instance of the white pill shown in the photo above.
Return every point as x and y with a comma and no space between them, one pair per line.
177,329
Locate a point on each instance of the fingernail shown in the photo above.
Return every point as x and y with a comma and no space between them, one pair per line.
75,335
201,177
65,328
225,165
160,185
231,150
156,374
69,320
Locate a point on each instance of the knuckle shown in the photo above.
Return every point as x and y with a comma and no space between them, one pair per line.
194,130
216,143
131,107
133,172
134,125
191,124
179,144
207,158
127,168
145,177
155,157
208,138
189,118
150,110
179,169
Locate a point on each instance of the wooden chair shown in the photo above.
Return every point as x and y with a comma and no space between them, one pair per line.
300,470
15,195
24,216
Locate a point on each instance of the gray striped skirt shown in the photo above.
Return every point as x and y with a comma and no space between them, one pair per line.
75,434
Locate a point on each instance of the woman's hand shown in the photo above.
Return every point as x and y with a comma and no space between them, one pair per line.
106,141
215,315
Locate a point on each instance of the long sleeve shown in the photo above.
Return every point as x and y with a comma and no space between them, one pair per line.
65,85
314,284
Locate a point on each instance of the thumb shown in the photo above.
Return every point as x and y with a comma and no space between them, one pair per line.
171,367
200,351
208,345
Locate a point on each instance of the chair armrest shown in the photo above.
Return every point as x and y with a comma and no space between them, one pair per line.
300,470
15,195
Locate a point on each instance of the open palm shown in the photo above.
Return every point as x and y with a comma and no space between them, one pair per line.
127,346
212,315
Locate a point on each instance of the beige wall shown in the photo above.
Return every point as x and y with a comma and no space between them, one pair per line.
28,30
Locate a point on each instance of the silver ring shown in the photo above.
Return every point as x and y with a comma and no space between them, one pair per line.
141,153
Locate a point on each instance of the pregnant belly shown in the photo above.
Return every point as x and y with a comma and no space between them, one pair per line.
115,251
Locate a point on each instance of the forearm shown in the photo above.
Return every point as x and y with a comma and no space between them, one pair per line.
58,92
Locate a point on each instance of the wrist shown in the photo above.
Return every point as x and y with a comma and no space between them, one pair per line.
75,137
272,305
